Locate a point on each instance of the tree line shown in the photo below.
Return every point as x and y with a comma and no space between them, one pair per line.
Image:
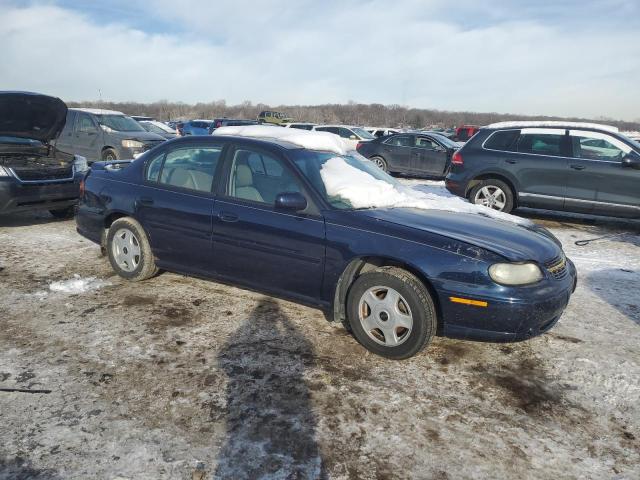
352,113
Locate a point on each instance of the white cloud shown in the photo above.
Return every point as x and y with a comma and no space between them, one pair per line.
418,53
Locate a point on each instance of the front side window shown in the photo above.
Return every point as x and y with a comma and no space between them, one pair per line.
346,133
328,129
400,141
259,177
541,141
85,124
189,168
427,144
597,146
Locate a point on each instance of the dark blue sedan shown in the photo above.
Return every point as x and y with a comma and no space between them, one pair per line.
257,212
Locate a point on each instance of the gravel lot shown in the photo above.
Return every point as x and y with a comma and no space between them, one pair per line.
182,378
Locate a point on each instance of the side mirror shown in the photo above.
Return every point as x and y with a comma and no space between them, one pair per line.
631,160
293,201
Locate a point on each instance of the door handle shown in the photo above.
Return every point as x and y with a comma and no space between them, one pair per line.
512,162
228,217
578,167
146,201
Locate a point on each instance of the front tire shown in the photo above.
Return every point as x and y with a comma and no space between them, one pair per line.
381,163
129,250
494,194
391,313
109,155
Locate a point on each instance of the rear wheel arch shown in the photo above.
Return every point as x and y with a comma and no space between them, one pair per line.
360,265
108,220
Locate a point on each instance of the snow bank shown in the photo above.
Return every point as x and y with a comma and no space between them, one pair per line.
553,123
78,285
362,190
311,140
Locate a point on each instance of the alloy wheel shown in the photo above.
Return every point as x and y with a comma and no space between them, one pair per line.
492,197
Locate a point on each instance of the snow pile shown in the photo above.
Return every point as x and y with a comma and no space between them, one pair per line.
552,124
78,285
311,140
362,190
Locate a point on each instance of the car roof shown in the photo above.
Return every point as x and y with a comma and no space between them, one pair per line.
553,124
97,111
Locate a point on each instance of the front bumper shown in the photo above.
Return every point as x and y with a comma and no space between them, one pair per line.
509,319
17,196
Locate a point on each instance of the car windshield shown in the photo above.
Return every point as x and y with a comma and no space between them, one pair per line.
157,127
362,133
119,123
318,168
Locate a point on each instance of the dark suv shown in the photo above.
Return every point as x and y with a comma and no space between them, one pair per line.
33,173
576,167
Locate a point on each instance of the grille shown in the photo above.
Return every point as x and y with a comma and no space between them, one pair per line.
557,267
49,173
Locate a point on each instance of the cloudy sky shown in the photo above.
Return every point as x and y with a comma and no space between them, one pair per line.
551,57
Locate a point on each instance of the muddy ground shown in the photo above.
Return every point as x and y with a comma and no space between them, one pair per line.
182,378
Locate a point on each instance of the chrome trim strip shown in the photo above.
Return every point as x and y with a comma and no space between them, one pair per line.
57,180
570,199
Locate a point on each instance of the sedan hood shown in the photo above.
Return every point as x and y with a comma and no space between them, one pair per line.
31,115
512,241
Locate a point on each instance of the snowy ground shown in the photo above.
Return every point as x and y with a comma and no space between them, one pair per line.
183,378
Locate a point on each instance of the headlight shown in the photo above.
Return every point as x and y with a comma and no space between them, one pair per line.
80,163
4,172
515,273
132,144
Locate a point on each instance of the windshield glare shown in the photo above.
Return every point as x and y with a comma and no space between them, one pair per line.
120,123
311,162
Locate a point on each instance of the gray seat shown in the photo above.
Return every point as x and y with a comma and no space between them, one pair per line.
243,185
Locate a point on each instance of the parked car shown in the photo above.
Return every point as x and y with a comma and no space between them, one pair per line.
140,118
351,135
256,212
230,122
576,167
301,125
381,132
34,174
465,132
104,135
424,154
159,128
276,118
196,127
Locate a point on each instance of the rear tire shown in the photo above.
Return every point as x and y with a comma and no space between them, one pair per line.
129,250
494,194
381,163
109,155
391,313
64,213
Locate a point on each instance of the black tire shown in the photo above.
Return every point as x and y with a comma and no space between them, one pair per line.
64,213
146,266
380,162
418,299
109,154
494,183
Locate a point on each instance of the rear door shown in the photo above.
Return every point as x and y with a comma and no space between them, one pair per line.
258,245
397,150
429,158
540,165
597,180
176,203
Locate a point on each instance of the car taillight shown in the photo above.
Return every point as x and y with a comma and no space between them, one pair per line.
82,188
218,124
359,145
457,159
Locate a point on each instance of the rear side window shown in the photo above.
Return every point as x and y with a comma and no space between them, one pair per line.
541,141
189,168
505,141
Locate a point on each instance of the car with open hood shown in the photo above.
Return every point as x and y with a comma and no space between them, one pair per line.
34,174
300,215
99,134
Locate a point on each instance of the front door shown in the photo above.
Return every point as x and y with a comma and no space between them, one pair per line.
258,245
87,137
430,157
175,206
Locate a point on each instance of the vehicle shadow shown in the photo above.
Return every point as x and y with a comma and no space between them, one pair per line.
618,287
27,219
270,423
19,469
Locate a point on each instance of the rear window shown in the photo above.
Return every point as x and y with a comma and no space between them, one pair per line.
505,141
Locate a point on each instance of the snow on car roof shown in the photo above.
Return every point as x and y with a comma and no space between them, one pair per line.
532,124
310,140
98,111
